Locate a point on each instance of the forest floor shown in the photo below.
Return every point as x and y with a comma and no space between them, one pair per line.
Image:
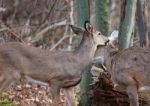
24,94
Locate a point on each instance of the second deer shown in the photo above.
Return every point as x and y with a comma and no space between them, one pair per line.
129,69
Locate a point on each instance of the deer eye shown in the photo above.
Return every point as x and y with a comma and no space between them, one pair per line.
99,33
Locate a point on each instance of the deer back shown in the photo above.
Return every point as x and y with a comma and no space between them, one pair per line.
132,63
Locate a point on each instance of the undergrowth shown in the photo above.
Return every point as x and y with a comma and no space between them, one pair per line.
4,101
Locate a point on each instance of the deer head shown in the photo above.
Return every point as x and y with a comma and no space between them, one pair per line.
95,36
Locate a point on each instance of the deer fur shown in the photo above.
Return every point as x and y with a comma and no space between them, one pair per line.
56,69
129,69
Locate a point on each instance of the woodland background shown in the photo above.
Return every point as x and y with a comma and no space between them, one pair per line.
44,24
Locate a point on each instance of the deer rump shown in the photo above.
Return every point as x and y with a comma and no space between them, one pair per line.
131,67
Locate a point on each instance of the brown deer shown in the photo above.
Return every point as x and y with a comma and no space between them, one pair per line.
129,69
55,68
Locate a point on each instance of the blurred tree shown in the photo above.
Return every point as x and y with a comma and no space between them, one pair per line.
101,10
83,14
127,23
142,22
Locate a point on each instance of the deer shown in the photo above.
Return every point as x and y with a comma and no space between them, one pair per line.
57,69
129,68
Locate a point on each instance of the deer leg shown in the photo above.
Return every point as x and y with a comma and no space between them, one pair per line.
7,77
133,95
55,91
33,81
69,93
4,82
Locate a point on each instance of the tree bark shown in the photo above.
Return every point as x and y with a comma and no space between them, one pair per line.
127,23
101,10
82,15
141,20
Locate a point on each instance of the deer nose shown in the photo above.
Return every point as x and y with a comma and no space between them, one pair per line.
107,42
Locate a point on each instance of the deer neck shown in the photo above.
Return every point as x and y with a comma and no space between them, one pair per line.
103,52
85,51
108,53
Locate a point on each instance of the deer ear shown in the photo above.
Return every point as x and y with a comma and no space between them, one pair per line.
114,36
88,27
76,29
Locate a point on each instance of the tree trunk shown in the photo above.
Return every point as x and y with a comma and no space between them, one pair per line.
127,25
141,20
101,10
83,14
